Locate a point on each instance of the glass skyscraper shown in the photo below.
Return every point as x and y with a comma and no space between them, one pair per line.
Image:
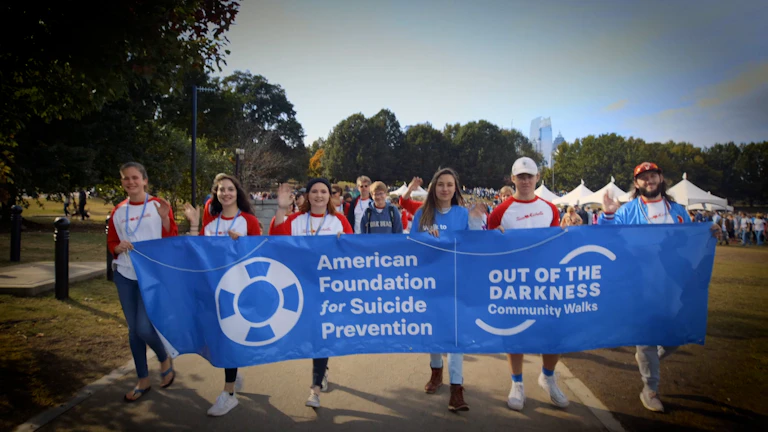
541,137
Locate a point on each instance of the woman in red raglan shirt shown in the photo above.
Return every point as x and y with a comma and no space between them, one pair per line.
316,216
230,215
140,217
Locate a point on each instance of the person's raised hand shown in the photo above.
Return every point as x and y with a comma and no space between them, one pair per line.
284,197
414,184
163,208
192,214
610,205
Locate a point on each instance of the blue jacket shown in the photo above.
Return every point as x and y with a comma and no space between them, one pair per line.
388,221
635,211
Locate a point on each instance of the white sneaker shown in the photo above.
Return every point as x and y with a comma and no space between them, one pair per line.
224,404
549,385
324,384
313,401
651,401
516,397
239,382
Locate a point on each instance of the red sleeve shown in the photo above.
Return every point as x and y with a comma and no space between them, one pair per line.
284,228
494,221
555,214
112,238
345,223
253,224
411,205
404,218
207,216
173,229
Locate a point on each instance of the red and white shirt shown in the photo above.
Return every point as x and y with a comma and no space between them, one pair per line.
658,211
517,214
140,227
302,224
245,224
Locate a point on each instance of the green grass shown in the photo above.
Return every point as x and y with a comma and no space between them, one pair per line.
49,349
50,210
39,246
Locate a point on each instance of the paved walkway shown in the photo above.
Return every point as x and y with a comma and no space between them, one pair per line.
367,392
34,278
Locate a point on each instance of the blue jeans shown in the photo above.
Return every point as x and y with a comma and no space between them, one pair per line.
744,237
140,330
759,237
455,366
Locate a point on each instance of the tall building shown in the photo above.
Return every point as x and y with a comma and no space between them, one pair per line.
541,137
559,140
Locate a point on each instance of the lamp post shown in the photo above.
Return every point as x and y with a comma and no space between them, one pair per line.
195,89
239,156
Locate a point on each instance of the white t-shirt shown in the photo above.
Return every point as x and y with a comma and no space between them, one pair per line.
759,224
658,213
359,211
744,223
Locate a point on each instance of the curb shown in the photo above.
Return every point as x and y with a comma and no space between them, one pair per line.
84,393
589,399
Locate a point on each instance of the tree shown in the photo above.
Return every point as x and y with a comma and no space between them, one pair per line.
345,142
57,62
752,167
426,149
315,164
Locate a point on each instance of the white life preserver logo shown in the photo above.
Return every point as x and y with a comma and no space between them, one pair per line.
258,301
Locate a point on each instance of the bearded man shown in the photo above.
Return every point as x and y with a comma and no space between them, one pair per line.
651,205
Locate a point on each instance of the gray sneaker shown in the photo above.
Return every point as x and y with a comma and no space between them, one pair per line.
313,401
651,401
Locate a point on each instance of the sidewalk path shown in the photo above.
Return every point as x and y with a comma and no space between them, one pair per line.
34,278
367,392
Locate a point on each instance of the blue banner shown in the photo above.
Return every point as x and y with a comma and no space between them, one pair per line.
266,299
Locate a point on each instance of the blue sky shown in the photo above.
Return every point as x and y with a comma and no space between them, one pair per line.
682,70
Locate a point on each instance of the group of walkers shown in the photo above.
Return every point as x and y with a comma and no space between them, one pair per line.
78,206
741,227
321,209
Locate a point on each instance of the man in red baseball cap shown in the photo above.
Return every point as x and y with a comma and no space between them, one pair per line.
651,205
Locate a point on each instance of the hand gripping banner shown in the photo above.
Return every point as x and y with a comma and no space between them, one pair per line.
265,299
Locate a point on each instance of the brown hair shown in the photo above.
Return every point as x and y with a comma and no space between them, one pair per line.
337,188
243,201
662,190
378,186
306,207
430,204
139,167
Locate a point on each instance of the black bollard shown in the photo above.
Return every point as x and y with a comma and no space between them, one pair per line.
16,233
61,241
110,274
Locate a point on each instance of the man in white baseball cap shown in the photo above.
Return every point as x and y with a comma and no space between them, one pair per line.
526,210
525,165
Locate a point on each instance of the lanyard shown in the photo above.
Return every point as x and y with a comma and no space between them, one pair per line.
309,218
645,213
230,225
141,216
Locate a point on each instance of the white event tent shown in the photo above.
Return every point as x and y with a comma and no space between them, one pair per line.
574,197
687,193
420,192
544,193
597,197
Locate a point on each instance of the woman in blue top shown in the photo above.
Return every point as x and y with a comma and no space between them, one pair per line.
444,210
